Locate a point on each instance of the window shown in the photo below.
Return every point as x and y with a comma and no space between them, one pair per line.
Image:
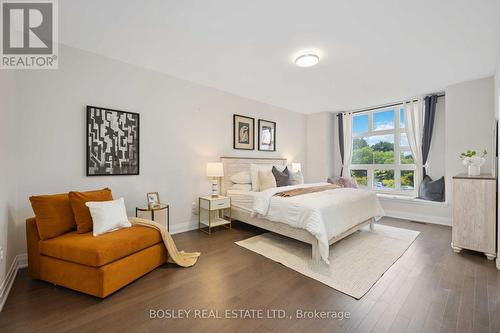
381,157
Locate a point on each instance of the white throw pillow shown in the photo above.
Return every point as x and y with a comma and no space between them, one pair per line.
241,187
254,173
108,215
266,180
242,177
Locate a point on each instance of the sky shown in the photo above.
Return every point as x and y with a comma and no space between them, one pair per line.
381,121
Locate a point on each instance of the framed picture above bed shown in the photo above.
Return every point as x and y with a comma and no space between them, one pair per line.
243,132
112,142
267,135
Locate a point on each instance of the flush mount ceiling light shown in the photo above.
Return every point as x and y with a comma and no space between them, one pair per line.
307,60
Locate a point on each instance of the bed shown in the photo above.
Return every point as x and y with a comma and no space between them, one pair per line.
338,203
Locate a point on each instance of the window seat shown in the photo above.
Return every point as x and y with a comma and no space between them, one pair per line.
411,200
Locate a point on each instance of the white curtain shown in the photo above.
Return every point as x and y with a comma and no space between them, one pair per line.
347,124
414,124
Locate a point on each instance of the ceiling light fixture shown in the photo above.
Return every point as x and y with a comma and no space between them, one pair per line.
307,60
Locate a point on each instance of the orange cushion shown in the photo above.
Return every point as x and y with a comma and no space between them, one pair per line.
81,212
93,251
54,215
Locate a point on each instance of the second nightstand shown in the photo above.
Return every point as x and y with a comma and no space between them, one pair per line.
214,206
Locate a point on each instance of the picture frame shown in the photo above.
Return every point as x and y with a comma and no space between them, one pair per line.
267,135
112,137
243,132
153,199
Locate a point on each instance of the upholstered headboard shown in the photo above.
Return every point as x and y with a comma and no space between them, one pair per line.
233,165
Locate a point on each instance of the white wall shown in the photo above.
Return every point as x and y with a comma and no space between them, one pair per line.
8,172
497,85
183,126
320,147
470,122
497,107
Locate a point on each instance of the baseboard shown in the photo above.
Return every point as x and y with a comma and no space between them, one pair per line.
183,227
419,217
20,261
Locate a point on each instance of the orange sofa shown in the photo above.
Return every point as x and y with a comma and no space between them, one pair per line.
93,265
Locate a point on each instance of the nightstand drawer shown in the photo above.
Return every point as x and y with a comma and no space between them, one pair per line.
216,204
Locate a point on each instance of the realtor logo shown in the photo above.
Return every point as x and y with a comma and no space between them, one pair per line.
29,34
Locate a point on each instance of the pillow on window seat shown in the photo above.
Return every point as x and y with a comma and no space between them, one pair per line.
344,182
432,190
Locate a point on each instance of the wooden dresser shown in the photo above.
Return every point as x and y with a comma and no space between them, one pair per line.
474,214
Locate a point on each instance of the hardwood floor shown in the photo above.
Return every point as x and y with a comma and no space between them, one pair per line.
430,289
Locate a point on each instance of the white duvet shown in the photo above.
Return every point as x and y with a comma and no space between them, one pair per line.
324,214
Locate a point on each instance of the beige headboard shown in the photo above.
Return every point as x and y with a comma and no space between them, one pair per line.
233,165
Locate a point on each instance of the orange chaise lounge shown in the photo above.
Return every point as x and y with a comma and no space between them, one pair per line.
62,249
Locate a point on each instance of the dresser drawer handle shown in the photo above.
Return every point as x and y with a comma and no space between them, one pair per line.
221,203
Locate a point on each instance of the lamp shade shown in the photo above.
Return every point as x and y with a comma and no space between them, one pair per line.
296,167
215,169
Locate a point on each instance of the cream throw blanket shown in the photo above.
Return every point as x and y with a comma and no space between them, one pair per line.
181,258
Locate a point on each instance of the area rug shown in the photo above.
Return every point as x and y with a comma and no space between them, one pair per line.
356,263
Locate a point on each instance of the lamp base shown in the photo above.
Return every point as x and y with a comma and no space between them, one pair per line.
215,190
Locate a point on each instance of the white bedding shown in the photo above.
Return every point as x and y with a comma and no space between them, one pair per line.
242,199
324,214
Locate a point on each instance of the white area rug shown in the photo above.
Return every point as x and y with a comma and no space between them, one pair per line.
356,262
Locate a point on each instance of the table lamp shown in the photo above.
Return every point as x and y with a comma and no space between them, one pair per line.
214,171
296,167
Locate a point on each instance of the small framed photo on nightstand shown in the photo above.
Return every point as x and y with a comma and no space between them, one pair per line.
153,200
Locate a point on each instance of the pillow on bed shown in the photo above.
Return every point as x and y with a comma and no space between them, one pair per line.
266,180
241,187
282,177
242,177
254,173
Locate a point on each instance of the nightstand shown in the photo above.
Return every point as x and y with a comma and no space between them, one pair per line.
215,208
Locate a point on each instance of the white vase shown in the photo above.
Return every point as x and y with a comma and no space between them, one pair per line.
474,170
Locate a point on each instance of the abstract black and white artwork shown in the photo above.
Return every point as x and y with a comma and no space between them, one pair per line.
112,142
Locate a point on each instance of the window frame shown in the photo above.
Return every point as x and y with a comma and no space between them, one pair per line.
397,166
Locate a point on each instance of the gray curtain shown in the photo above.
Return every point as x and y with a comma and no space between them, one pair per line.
340,119
429,113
